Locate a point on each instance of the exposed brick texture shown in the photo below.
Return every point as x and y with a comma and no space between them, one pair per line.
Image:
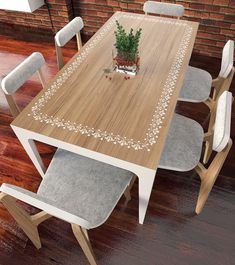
43,22
216,18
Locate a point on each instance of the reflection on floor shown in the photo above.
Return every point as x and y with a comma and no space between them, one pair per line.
171,235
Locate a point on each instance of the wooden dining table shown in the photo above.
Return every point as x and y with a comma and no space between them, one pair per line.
119,121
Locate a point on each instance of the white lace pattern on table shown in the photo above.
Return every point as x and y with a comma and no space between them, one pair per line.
160,109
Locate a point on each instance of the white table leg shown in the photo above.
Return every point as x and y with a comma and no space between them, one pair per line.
146,180
31,150
146,176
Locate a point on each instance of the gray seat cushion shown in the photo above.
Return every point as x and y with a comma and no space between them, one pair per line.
196,86
83,187
183,145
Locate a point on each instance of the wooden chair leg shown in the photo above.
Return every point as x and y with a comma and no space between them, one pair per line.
127,192
12,105
210,103
40,217
79,41
205,189
22,218
84,243
127,195
206,119
59,56
209,141
87,237
209,176
41,78
208,151
86,233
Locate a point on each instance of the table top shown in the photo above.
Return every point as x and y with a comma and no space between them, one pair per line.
125,119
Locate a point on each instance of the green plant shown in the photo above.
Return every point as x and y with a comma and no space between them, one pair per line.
127,44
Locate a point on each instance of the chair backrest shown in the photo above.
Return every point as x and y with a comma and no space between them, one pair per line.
161,8
42,203
65,35
218,140
19,75
224,80
69,31
227,59
222,122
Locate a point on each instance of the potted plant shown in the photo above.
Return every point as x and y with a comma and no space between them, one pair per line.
127,58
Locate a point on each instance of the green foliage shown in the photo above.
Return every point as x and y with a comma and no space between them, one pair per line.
127,44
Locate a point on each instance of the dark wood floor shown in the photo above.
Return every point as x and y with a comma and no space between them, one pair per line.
171,234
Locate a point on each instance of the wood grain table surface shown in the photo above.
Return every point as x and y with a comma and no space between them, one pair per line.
124,119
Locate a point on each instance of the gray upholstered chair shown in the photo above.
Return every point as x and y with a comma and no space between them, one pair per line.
160,8
18,76
65,35
76,189
198,83
183,147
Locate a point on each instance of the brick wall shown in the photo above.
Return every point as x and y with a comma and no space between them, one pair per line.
42,23
216,18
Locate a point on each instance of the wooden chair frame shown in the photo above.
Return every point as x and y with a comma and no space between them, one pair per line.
14,108
209,175
127,192
9,196
29,225
220,85
59,54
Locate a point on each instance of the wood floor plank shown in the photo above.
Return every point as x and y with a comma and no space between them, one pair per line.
171,234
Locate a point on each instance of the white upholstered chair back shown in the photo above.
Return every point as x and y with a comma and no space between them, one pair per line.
227,59
221,143
65,35
222,122
69,31
161,8
19,75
